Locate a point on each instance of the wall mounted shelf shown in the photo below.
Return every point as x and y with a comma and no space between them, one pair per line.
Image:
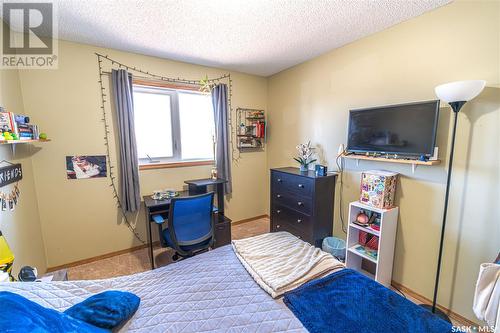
251,130
6,142
14,143
414,163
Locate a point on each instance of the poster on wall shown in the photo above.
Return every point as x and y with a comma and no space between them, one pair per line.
83,167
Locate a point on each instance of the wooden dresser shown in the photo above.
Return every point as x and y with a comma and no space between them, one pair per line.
302,204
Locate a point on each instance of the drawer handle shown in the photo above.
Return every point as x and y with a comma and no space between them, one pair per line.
278,195
278,211
301,186
279,180
300,203
299,221
277,226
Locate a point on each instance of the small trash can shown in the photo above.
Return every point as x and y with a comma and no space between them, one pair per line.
335,246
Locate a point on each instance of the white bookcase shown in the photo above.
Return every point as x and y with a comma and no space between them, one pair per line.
361,262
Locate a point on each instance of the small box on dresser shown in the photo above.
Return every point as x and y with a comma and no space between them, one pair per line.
302,203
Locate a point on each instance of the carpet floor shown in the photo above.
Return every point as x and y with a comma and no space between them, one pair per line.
138,261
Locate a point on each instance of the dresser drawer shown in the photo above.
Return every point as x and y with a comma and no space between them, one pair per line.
282,214
303,234
293,201
297,184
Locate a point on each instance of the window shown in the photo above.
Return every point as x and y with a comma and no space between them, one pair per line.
172,125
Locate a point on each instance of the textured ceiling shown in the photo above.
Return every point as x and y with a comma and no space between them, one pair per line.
259,37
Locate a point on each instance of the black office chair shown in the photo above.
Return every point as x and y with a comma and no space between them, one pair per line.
190,227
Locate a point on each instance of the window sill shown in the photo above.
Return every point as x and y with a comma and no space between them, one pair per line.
179,164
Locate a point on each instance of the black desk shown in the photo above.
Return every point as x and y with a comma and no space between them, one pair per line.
222,224
200,186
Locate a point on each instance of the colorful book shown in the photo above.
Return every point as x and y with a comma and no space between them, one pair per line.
368,252
7,122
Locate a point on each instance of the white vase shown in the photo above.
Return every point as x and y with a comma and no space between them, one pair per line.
303,168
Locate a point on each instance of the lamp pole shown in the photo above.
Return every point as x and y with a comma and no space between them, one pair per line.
456,106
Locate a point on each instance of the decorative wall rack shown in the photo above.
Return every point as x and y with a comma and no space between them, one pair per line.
251,131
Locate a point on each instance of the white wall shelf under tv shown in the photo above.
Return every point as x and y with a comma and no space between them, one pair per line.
413,163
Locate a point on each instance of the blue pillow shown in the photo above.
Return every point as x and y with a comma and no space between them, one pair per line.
108,309
18,314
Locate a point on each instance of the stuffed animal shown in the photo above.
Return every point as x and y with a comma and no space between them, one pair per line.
362,218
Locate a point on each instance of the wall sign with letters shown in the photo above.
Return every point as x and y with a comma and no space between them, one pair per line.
12,173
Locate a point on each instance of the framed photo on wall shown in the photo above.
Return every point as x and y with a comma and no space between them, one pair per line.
83,167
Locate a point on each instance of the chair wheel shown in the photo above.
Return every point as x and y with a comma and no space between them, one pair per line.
175,257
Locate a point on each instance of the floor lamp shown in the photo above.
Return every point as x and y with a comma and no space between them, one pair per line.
456,94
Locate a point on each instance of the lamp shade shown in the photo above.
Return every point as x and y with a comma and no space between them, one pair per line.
459,91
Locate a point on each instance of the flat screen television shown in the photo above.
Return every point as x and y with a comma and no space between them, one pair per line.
404,129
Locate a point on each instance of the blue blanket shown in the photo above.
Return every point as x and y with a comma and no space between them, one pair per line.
347,301
99,313
18,314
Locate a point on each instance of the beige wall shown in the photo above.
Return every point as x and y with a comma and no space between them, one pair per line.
79,217
402,64
21,227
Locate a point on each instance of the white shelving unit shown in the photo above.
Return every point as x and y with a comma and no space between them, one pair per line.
363,263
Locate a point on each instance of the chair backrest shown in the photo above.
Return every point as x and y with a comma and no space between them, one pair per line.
190,219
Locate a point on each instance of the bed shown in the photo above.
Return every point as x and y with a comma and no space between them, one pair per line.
236,288
211,292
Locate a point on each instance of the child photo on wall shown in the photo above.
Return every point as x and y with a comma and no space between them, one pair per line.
83,167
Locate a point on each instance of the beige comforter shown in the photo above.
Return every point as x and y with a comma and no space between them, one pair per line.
280,262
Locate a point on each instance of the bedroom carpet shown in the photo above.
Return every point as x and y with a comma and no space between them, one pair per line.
138,261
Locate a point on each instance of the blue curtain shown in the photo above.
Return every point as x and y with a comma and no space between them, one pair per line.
222,134
121,82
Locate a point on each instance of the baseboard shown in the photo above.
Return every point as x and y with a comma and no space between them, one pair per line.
250,219
453,315
103,256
